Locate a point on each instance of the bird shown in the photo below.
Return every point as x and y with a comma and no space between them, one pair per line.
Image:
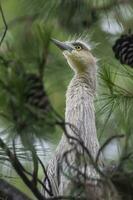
80,111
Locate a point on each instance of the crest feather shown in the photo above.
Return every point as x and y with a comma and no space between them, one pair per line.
83,38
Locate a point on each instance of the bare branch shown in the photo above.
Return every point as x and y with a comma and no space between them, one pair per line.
5,24
46,178
18,168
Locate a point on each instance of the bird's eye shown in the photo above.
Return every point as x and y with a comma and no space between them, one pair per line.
78,48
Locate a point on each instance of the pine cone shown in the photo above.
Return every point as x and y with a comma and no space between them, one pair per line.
35,93
123,49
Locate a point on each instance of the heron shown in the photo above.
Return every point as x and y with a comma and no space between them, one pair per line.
79,106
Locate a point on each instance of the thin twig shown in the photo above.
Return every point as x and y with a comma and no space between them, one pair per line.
46,177
18,167
35,168
71,166
4,21
30,174
81,143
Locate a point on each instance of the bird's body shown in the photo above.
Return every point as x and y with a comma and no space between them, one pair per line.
79,111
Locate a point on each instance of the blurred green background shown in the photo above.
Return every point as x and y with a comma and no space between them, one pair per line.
26,49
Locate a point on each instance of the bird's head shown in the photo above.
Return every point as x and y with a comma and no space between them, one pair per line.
78,55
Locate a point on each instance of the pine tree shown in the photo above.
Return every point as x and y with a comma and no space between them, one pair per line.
32,85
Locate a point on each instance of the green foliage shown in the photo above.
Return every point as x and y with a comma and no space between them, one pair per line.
26,51
14,83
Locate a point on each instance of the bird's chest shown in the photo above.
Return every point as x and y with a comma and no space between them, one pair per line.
78,100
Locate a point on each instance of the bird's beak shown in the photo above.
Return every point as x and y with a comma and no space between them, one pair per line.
62,45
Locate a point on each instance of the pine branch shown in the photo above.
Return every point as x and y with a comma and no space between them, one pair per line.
19,169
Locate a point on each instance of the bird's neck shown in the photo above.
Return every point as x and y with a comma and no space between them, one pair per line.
80,108
86,80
